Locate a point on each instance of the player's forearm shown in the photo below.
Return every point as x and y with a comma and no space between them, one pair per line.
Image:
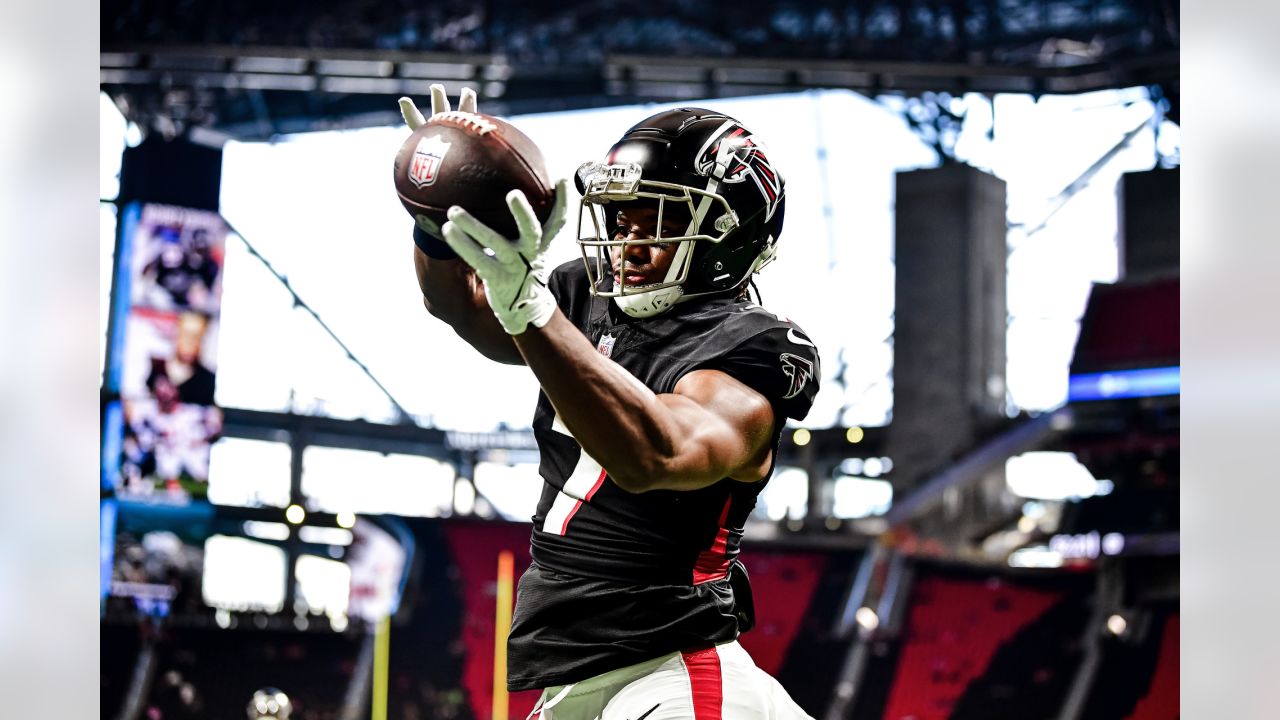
452,293
618,421
447,287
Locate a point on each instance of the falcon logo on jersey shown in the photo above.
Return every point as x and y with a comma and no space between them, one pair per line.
605,346
799,370
734,155
424,168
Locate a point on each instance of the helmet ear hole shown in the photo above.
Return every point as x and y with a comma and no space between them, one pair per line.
717,267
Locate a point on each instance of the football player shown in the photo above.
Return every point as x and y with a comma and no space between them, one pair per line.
664,394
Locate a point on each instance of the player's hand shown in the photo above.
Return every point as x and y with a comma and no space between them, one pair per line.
439,104
515,275
427,239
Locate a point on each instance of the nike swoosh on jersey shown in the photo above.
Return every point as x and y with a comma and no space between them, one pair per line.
793,337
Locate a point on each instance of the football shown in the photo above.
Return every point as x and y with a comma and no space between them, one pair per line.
472,160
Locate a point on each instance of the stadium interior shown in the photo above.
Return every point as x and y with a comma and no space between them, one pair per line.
309,484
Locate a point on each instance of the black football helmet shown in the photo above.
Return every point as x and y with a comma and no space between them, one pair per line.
703,165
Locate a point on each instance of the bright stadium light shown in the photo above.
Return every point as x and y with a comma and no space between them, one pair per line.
1116,625
325,535
851,466
266,530
1147,382
1046,475
1112,544
856,497
867,618
242,575
786,496
1035,557
464,496
295,514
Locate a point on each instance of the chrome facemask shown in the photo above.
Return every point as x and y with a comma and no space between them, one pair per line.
622,182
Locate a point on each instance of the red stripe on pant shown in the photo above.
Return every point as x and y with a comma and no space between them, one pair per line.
703,667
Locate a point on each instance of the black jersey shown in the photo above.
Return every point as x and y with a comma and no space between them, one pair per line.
619,578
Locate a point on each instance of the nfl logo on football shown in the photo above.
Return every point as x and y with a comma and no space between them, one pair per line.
425,166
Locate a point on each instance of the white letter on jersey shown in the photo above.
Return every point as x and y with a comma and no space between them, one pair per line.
581,485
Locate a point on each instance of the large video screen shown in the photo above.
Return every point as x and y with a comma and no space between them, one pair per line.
163,354
176,259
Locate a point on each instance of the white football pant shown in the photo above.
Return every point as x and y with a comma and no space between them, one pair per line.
719,683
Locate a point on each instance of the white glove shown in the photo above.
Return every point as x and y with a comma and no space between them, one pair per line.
439,104
515,275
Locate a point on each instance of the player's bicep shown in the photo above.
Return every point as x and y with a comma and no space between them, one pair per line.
724,429
452,293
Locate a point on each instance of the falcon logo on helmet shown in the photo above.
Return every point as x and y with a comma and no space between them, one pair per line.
734,155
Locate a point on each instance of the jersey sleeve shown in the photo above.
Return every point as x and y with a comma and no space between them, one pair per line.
561,283
780,363
570,287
